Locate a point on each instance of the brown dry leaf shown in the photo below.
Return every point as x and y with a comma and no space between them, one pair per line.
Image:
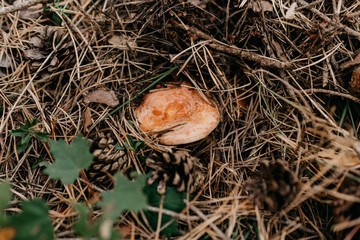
125,231
264,6
29,13
355,80
102,96
87,117
36,42
122,41
34,54
7,233
198,3
290,14
279,51
5,61
351,62
2,74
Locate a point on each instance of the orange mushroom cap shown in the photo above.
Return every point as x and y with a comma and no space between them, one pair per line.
182,112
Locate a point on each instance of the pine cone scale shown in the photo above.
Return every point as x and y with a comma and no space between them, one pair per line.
107,160
175,169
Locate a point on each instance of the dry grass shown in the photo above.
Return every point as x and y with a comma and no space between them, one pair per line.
302,110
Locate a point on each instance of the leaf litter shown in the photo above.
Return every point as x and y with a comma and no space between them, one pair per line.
102,96
284,167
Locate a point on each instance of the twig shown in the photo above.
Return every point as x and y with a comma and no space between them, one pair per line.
20,6
344,95
261,60
212,225
180,216
245,54
348,30
158,227
351,62
309,5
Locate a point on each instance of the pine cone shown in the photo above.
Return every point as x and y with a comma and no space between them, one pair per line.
274,187
42,44
178,169
107,160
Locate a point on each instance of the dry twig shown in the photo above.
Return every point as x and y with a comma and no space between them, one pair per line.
20,6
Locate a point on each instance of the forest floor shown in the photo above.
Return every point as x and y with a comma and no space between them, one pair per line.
283,162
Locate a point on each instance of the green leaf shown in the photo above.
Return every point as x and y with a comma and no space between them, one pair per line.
56,18
5,195
139,145
143,158
119,147
127,195
25,139
129,147
46,9
26,132
42,136
170,230
69,159
83,227
29,124
33,223
173,201
56,15
21,147
91,230
41,163
131,141
19,132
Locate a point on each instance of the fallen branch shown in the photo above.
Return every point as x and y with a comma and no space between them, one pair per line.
242,53
20,6
251,56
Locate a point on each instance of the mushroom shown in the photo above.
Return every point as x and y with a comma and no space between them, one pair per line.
177,115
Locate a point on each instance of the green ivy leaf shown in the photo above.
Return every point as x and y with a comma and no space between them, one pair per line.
29,124
83,227
127,195
5,195
91,230
69,159
33,223
21,147
42,136
25,139
19,132
173,201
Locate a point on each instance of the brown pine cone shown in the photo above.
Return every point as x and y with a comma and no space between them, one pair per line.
274,187
107,160
42,44
178,169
